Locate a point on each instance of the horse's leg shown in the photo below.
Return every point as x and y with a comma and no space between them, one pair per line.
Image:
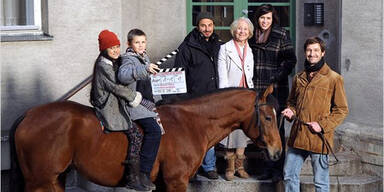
45,182
53,186
155,171
178,172
42,158
177,184
43,174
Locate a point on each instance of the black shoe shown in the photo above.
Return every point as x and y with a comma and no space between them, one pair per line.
133,175
264,176
211,174
276,178
146,181
134,183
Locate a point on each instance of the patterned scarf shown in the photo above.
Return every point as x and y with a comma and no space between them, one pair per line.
142,58
262,36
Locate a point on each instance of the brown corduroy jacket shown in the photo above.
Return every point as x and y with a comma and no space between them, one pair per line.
321,100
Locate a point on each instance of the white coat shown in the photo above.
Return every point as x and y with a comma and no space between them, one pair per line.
229,66
230,73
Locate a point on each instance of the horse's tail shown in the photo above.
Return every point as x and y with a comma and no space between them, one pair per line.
16,180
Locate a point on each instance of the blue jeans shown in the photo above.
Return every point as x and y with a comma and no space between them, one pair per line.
209,161
292,168
151,142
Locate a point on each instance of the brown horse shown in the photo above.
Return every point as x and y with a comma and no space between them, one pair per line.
53,137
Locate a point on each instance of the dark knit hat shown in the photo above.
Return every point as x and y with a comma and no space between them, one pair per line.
204,15
107,39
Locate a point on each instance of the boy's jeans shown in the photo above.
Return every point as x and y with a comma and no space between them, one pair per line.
209,161
292,168
151,143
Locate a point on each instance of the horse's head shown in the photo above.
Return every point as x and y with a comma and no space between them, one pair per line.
265,133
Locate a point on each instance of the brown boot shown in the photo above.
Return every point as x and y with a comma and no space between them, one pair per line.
230,171
239,166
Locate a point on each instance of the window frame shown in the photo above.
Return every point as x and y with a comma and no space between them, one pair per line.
238,7
38,32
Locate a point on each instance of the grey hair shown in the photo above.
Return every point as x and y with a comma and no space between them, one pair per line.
235,23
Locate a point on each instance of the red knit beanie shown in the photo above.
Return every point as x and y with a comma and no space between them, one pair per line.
107,39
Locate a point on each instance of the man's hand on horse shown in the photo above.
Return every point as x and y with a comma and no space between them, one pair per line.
315,127
288,113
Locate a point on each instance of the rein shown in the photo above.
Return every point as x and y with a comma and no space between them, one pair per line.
257,111
321,135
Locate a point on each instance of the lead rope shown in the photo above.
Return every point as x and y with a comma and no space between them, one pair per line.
325,144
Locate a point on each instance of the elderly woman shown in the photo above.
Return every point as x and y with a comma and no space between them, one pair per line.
235,68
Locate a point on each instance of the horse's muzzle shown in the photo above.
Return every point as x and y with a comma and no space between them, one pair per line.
274,155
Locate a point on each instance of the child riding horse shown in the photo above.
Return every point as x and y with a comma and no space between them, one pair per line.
52,137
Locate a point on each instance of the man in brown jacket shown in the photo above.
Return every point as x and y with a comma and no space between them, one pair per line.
318,104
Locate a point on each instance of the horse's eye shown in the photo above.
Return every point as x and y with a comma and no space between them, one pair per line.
268,118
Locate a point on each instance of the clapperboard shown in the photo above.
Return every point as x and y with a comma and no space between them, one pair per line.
169,80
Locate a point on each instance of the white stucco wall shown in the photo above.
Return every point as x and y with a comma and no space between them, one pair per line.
362,60
38,72
164,22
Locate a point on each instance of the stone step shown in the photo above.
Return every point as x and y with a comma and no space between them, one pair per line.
367,142
361,183
197,184
202,184
349,164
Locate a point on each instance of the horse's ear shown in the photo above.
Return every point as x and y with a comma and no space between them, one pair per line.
268,91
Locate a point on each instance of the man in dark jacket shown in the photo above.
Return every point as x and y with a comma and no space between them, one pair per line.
198,56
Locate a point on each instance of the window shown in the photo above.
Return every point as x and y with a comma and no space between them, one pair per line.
225,11
24,20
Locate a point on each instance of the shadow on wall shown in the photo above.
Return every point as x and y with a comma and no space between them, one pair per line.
20,95
17,96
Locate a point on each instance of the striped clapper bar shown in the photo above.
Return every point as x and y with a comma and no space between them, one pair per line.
169,81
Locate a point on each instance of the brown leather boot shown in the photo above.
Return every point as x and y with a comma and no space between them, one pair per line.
239,166
230,171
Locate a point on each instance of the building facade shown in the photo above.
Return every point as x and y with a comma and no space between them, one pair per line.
49,47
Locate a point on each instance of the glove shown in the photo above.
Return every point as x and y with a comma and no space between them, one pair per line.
136,102
148,104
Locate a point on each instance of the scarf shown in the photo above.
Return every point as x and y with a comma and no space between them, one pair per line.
262,36
142,58
243,82
312,68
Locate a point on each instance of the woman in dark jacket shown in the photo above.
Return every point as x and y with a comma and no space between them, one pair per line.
110,100
274,58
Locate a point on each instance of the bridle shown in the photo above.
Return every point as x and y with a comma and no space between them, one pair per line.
258,121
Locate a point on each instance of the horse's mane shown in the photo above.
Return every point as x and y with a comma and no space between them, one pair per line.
185,97
175,99
271,100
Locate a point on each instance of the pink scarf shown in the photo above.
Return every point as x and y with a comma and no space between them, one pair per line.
243,83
